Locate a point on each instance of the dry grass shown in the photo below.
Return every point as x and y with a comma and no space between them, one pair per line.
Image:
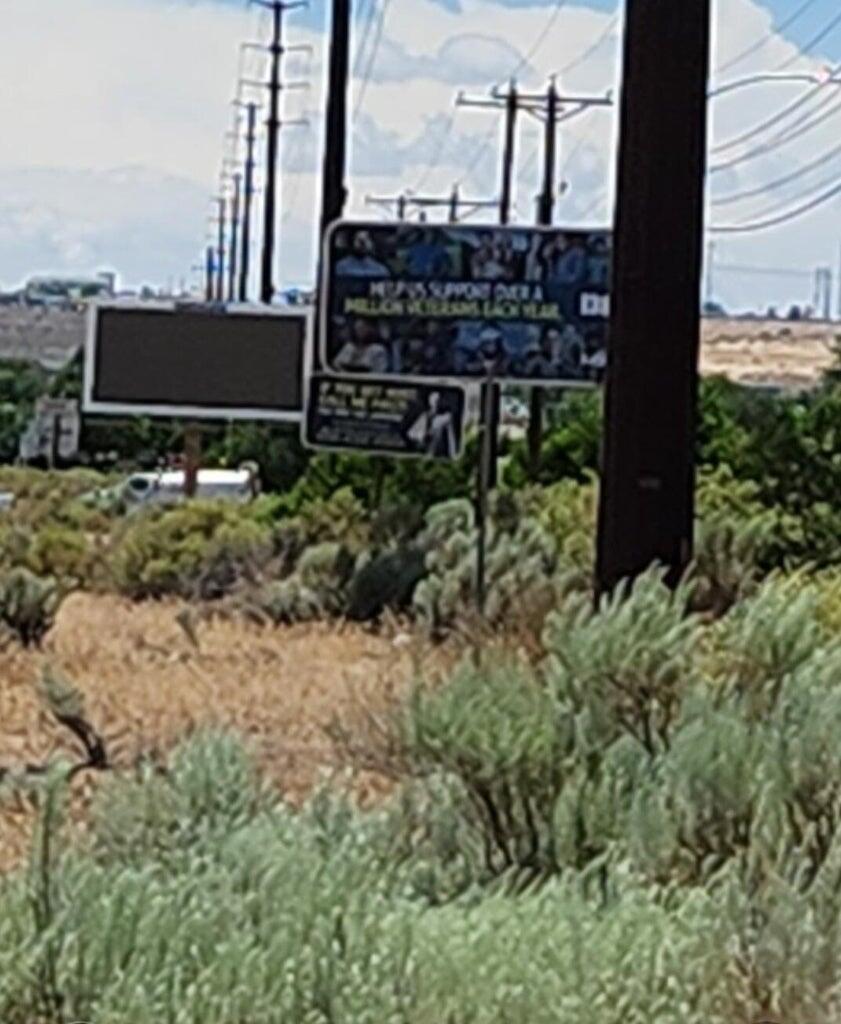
146,685
788,355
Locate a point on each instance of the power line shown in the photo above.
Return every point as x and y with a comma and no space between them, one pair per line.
764,40
366,15
541,39
794,131
783,218
827,30
738,268
443,139
597,202
612,25
774,119
772,186
488,138
369,69
806,194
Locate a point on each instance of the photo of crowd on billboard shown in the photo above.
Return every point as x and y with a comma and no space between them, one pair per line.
433,301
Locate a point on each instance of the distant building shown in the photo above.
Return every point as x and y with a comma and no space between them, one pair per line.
67,291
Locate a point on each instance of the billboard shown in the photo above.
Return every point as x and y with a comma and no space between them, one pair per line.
196,362
385,416
433,301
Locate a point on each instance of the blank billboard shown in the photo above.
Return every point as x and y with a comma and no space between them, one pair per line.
197,362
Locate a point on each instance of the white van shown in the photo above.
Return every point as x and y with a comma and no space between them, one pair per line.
167,487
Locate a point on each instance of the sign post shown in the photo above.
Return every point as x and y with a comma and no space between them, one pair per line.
192,459
485,470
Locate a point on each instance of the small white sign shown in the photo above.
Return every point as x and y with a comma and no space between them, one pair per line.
52,414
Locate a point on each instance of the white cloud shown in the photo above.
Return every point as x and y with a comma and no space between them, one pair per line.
117,109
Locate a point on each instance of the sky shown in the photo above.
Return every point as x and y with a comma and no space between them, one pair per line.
115,115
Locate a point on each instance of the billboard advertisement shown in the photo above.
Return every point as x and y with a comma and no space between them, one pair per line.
433,301
197,362
385,417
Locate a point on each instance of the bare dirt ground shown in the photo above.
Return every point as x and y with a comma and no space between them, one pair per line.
787,355
146,686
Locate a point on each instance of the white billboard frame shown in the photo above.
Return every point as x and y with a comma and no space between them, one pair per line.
94,407
321,341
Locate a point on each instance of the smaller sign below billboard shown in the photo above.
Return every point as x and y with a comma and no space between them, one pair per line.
385,417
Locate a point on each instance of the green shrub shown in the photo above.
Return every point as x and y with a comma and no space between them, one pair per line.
571,444
62,553
341,519
208,788
316,590
28,606
625,667
520,566
388,581
568,512
200,549
498,733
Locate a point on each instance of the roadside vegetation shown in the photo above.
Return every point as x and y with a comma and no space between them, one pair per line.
625,813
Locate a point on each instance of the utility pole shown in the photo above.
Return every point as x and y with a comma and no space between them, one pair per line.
839,287
545,217
234,250
220,252
546,202
491,400
551,108
822,298
710,288
272,144
509,103
209,270
647,498
248,195
334,167
508,153
817,290
826,298
274,123
453,203
333,189
398,204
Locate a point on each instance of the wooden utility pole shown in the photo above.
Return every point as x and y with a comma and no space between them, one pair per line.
333,188
647,497
334,168
545,217
508,102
